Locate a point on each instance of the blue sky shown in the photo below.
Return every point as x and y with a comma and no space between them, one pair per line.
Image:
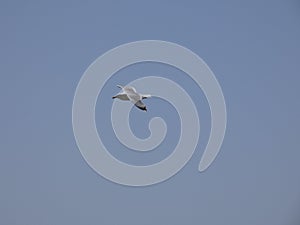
253,49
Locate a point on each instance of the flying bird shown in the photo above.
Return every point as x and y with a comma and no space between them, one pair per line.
129,94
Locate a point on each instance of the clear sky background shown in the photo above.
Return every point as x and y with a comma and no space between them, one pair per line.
252,47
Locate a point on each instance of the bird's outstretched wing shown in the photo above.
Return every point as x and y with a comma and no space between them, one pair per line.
121,96
140,105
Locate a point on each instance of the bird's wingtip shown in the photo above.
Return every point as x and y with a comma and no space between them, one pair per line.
146,96
119,86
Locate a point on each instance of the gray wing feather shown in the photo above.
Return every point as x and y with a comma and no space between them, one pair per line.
122,96
140,105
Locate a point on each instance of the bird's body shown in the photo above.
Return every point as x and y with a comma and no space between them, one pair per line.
129,94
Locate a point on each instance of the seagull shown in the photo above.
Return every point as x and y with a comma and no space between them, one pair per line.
129,94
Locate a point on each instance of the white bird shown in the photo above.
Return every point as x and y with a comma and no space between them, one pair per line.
129,94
